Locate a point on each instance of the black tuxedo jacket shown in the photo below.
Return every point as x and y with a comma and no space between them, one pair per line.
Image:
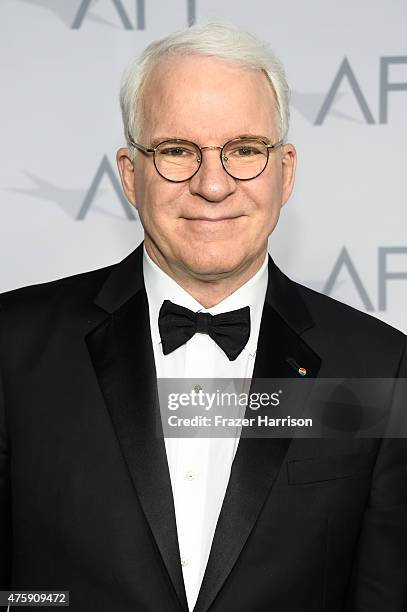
85,495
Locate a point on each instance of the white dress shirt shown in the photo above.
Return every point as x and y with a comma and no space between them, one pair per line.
200,467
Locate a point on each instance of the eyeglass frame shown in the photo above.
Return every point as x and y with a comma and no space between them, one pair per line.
145,149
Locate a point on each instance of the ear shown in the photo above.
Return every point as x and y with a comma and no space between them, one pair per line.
289,165
126,171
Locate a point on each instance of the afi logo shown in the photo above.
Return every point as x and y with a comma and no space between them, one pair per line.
345,72
384,275
124,17
130,14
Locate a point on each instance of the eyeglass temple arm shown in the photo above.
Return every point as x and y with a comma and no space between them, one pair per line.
276,145
140,147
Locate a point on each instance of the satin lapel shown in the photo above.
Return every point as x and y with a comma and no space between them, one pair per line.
123,359
258,460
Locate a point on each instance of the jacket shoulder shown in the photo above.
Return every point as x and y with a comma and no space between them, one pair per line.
349,334
70,290
323,307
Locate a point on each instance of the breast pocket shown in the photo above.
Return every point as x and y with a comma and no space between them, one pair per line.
330,467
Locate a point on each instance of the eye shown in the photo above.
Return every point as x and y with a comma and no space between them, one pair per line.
177,150
245,151
174,151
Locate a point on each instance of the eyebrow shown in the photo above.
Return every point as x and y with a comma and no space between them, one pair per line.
265,138
158,139
155,141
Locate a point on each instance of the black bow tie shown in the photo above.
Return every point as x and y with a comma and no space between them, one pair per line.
230,330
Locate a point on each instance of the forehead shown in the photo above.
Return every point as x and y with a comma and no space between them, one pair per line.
198,98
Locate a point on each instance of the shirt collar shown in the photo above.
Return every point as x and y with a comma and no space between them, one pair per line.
160,287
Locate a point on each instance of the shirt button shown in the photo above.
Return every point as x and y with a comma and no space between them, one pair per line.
190,475
184,561
198,388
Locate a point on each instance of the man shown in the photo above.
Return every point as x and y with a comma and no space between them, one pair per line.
92,500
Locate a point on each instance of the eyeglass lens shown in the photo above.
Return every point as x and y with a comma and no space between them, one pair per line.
179,160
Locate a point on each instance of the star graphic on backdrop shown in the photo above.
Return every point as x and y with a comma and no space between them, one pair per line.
319,285
66,11
69,199
309,105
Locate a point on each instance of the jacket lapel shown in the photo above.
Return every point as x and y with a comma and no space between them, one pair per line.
258,460
122,356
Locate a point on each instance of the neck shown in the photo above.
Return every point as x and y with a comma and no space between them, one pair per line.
208,290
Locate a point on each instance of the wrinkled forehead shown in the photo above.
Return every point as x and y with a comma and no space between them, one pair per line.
186,95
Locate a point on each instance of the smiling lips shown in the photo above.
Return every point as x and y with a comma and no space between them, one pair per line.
211,220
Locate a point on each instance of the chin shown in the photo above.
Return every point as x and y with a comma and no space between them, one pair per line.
212,262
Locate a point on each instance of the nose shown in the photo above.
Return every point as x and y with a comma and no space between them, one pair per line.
211,181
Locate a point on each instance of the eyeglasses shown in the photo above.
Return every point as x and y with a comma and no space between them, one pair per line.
179,160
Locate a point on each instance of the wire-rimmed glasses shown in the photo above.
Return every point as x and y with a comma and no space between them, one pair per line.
178,160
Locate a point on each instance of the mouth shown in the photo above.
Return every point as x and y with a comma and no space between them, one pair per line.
212,219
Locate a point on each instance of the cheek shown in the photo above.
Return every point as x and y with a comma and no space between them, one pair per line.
266,197
156,201
145,189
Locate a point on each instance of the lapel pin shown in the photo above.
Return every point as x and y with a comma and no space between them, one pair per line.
296,367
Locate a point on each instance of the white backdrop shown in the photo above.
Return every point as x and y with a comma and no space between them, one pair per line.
344,232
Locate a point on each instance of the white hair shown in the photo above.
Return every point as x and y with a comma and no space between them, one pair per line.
215,39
